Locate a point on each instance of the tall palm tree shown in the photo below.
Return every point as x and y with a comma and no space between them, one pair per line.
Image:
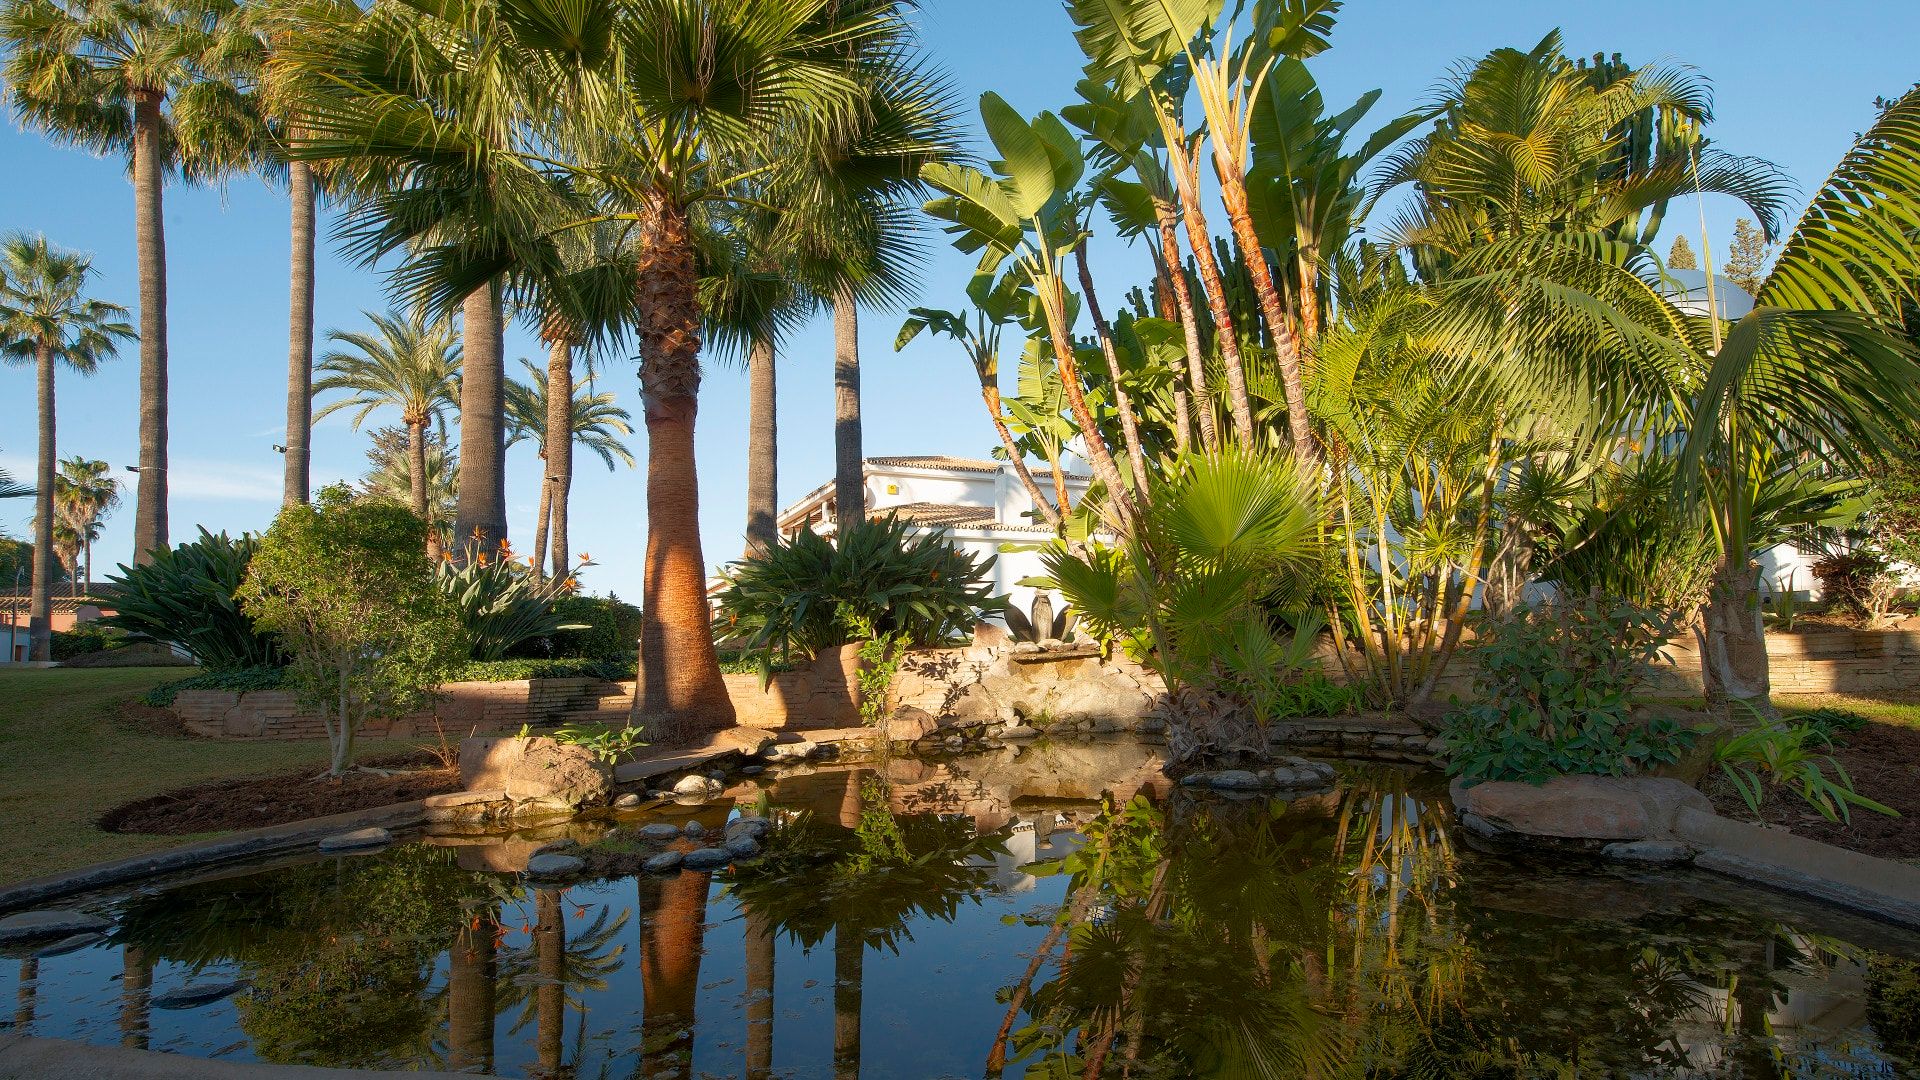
392,478
127,77
408,362
85,492
593,421
47,319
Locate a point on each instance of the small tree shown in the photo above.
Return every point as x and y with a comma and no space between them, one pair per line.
346,585
1747,257
1681,256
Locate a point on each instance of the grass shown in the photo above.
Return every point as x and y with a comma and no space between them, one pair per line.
71,757
1899,708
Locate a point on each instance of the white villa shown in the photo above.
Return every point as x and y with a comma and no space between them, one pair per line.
979,505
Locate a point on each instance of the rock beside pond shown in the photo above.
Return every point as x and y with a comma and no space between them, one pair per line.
706,859
70,944
694,786
1649,852
1298,774
537,774
742,847
357,839
627,801
695,830
553,864
1019,733
1582,807
49,923
659,832
197,994
791,751
1236,780
662,863
755,827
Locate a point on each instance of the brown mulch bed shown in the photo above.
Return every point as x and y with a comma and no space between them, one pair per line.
258,801
1884,762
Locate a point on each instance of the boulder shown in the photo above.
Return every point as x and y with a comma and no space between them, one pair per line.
755,827
693,786
357,840
1019,733
536,773
552,864
662,863
798,750
1236,780
49,923
1582,807
659,833
706,858
695,830
742,847
627,801
911,725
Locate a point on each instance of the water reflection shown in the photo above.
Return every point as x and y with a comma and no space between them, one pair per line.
1052,913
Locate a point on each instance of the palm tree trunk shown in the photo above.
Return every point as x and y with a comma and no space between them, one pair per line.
1095,445
1733,663
550,994
299,336
470,994
1123,402
759,963
481,515
1233,192
540,521
673,914
559,451
682,694
1196,373
1211,284
150,510
1165,308
763,446
40,599
849,481
990,392
849,973
417,467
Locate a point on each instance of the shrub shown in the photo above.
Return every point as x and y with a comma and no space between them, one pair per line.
233,680
499,602
515,668
346,584
185,597
1556,686
607,627
88,637
1858,582
809,593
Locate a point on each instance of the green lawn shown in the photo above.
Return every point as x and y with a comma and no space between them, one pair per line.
70,758
1901,708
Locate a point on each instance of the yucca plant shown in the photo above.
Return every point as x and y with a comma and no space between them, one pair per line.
501,602
878,577
185,597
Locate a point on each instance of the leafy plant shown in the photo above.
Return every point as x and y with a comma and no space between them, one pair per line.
601,627
880,656
608,745
1556,686
1860,582
513,669
1781,756
880,577
233,680
1784,610
499,601
89,637
346,584
185,597
1831,723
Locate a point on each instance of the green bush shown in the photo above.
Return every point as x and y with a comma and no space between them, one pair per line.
608,627
185,597
1556,686
234,680
611,669
87,637
807,594
499,602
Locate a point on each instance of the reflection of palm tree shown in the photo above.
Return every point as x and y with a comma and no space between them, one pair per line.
136,986
673,915
759,950
471,971
558,968
24,998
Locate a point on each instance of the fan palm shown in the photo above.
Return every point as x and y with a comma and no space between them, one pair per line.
593,421
47,319
128,77
84,493
408,362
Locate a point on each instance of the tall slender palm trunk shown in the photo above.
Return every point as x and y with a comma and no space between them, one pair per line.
681,693
481,514
417,481
559,453
1168,217
1211,283
1233,193
990,393
541,520
1123,401
150,241
763,446
299,336
40,599
849,481
1164,307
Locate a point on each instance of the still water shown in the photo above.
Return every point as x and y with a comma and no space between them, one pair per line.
1044,911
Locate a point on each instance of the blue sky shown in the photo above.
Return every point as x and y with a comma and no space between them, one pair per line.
1793,83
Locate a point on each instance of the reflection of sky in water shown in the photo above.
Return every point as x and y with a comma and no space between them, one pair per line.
930,1010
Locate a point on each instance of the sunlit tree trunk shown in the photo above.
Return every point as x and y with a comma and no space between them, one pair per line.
1123,401
763,446
1186,172
1233,192
150,242
559,453
481,514
1167,309
300,193
1733,661
40,597
849,480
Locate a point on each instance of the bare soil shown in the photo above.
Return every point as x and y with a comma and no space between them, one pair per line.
1884,762
258,801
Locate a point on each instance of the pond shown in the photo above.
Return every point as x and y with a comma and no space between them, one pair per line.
902,924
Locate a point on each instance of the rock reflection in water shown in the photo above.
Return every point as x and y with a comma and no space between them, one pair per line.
903,919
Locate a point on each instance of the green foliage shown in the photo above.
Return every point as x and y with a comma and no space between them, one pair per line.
810,593
880,658
500,603
235,680
1830,723
1556,686
608,745
1780,756
186,597
345,584
88,637
1624,535
606,628
611,669
1850,580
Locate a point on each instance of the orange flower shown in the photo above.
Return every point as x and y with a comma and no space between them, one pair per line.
482,557
571,583
584,557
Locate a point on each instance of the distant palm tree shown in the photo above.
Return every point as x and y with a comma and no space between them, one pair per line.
129,78
11,490
392,478
47,318
84,493
409,363
597,424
